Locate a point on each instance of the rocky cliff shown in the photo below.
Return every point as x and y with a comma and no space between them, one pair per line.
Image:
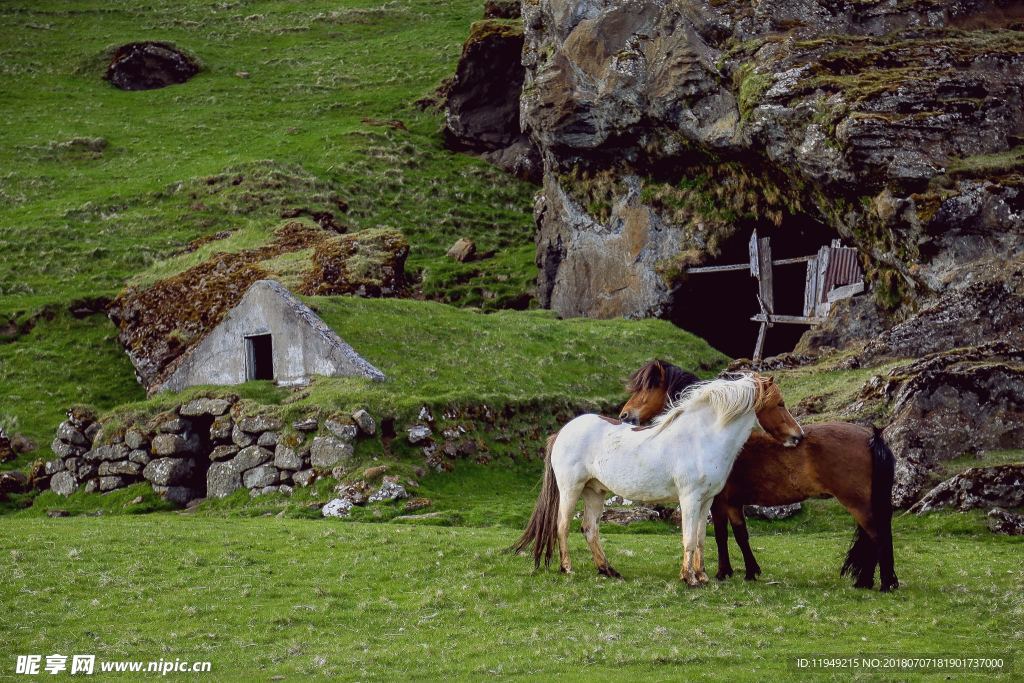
670,130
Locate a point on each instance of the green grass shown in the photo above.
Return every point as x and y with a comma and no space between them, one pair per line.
437,354
75,223
265,598
62,362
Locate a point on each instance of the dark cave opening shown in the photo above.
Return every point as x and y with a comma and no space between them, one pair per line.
718,306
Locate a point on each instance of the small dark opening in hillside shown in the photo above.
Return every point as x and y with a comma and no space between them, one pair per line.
197,482
718,306
259,353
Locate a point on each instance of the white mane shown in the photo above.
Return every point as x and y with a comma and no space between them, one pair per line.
730,398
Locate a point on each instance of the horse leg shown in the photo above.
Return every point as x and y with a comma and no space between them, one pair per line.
593,506
862,557
691,527
566,507
739,530
721,523
698,560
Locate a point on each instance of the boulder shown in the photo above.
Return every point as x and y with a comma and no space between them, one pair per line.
114,482
977,487
221,429
63,483
241,438
338,507
367,425
463,250
388,491
121,467
179,495
169,471
68,433
308,424
223,453
149,65
135,440
371,473
329,451
258,477
222,478
304,477
772,512
117,451
268,439
140,456
51,467
1004,522
257,424
176,425
204,406
342,428
948,404
286,458
63,449
414,504
418,434
630,515
250,457
171,444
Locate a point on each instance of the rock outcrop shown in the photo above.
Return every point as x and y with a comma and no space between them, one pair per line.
150,65
482,101
978,487
669,130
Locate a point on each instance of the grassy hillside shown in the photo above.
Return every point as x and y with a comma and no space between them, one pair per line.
437,354
299,599
321,117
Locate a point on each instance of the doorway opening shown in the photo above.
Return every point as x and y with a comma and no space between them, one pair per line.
259,357
718,306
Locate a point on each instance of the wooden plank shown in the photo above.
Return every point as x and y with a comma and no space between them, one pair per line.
759,344
718,269
810,286
755,262
797,259
790,319
764,280
845,292
821,304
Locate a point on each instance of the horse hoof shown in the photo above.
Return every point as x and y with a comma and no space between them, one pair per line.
702,577
723,575
565,571
609,572
750,576
889,587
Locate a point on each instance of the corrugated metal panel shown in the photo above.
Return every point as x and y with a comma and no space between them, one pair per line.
843,269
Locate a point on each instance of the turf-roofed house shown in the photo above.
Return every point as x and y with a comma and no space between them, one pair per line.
268,335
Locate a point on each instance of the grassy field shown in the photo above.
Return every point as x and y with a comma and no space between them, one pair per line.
322,79
267,598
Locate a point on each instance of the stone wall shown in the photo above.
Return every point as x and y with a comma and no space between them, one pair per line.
203,448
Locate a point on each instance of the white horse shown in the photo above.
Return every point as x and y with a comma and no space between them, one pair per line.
684,457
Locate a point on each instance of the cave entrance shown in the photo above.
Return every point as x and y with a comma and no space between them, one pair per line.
783,277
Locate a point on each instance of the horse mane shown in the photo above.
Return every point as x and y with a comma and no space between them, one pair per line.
730,397
658,373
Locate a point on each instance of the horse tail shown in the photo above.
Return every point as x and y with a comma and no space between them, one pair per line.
865,553
542,530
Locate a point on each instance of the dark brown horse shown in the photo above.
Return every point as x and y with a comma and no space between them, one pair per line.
846,461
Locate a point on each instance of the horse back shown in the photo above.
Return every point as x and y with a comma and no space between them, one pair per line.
834,459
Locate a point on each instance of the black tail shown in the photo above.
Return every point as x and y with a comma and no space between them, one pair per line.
542,530
864,552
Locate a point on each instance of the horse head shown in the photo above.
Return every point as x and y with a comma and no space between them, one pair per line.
652,387
772,413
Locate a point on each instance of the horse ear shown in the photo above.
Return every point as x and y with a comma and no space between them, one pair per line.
771,380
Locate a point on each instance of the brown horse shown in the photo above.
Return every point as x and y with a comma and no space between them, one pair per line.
848,462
